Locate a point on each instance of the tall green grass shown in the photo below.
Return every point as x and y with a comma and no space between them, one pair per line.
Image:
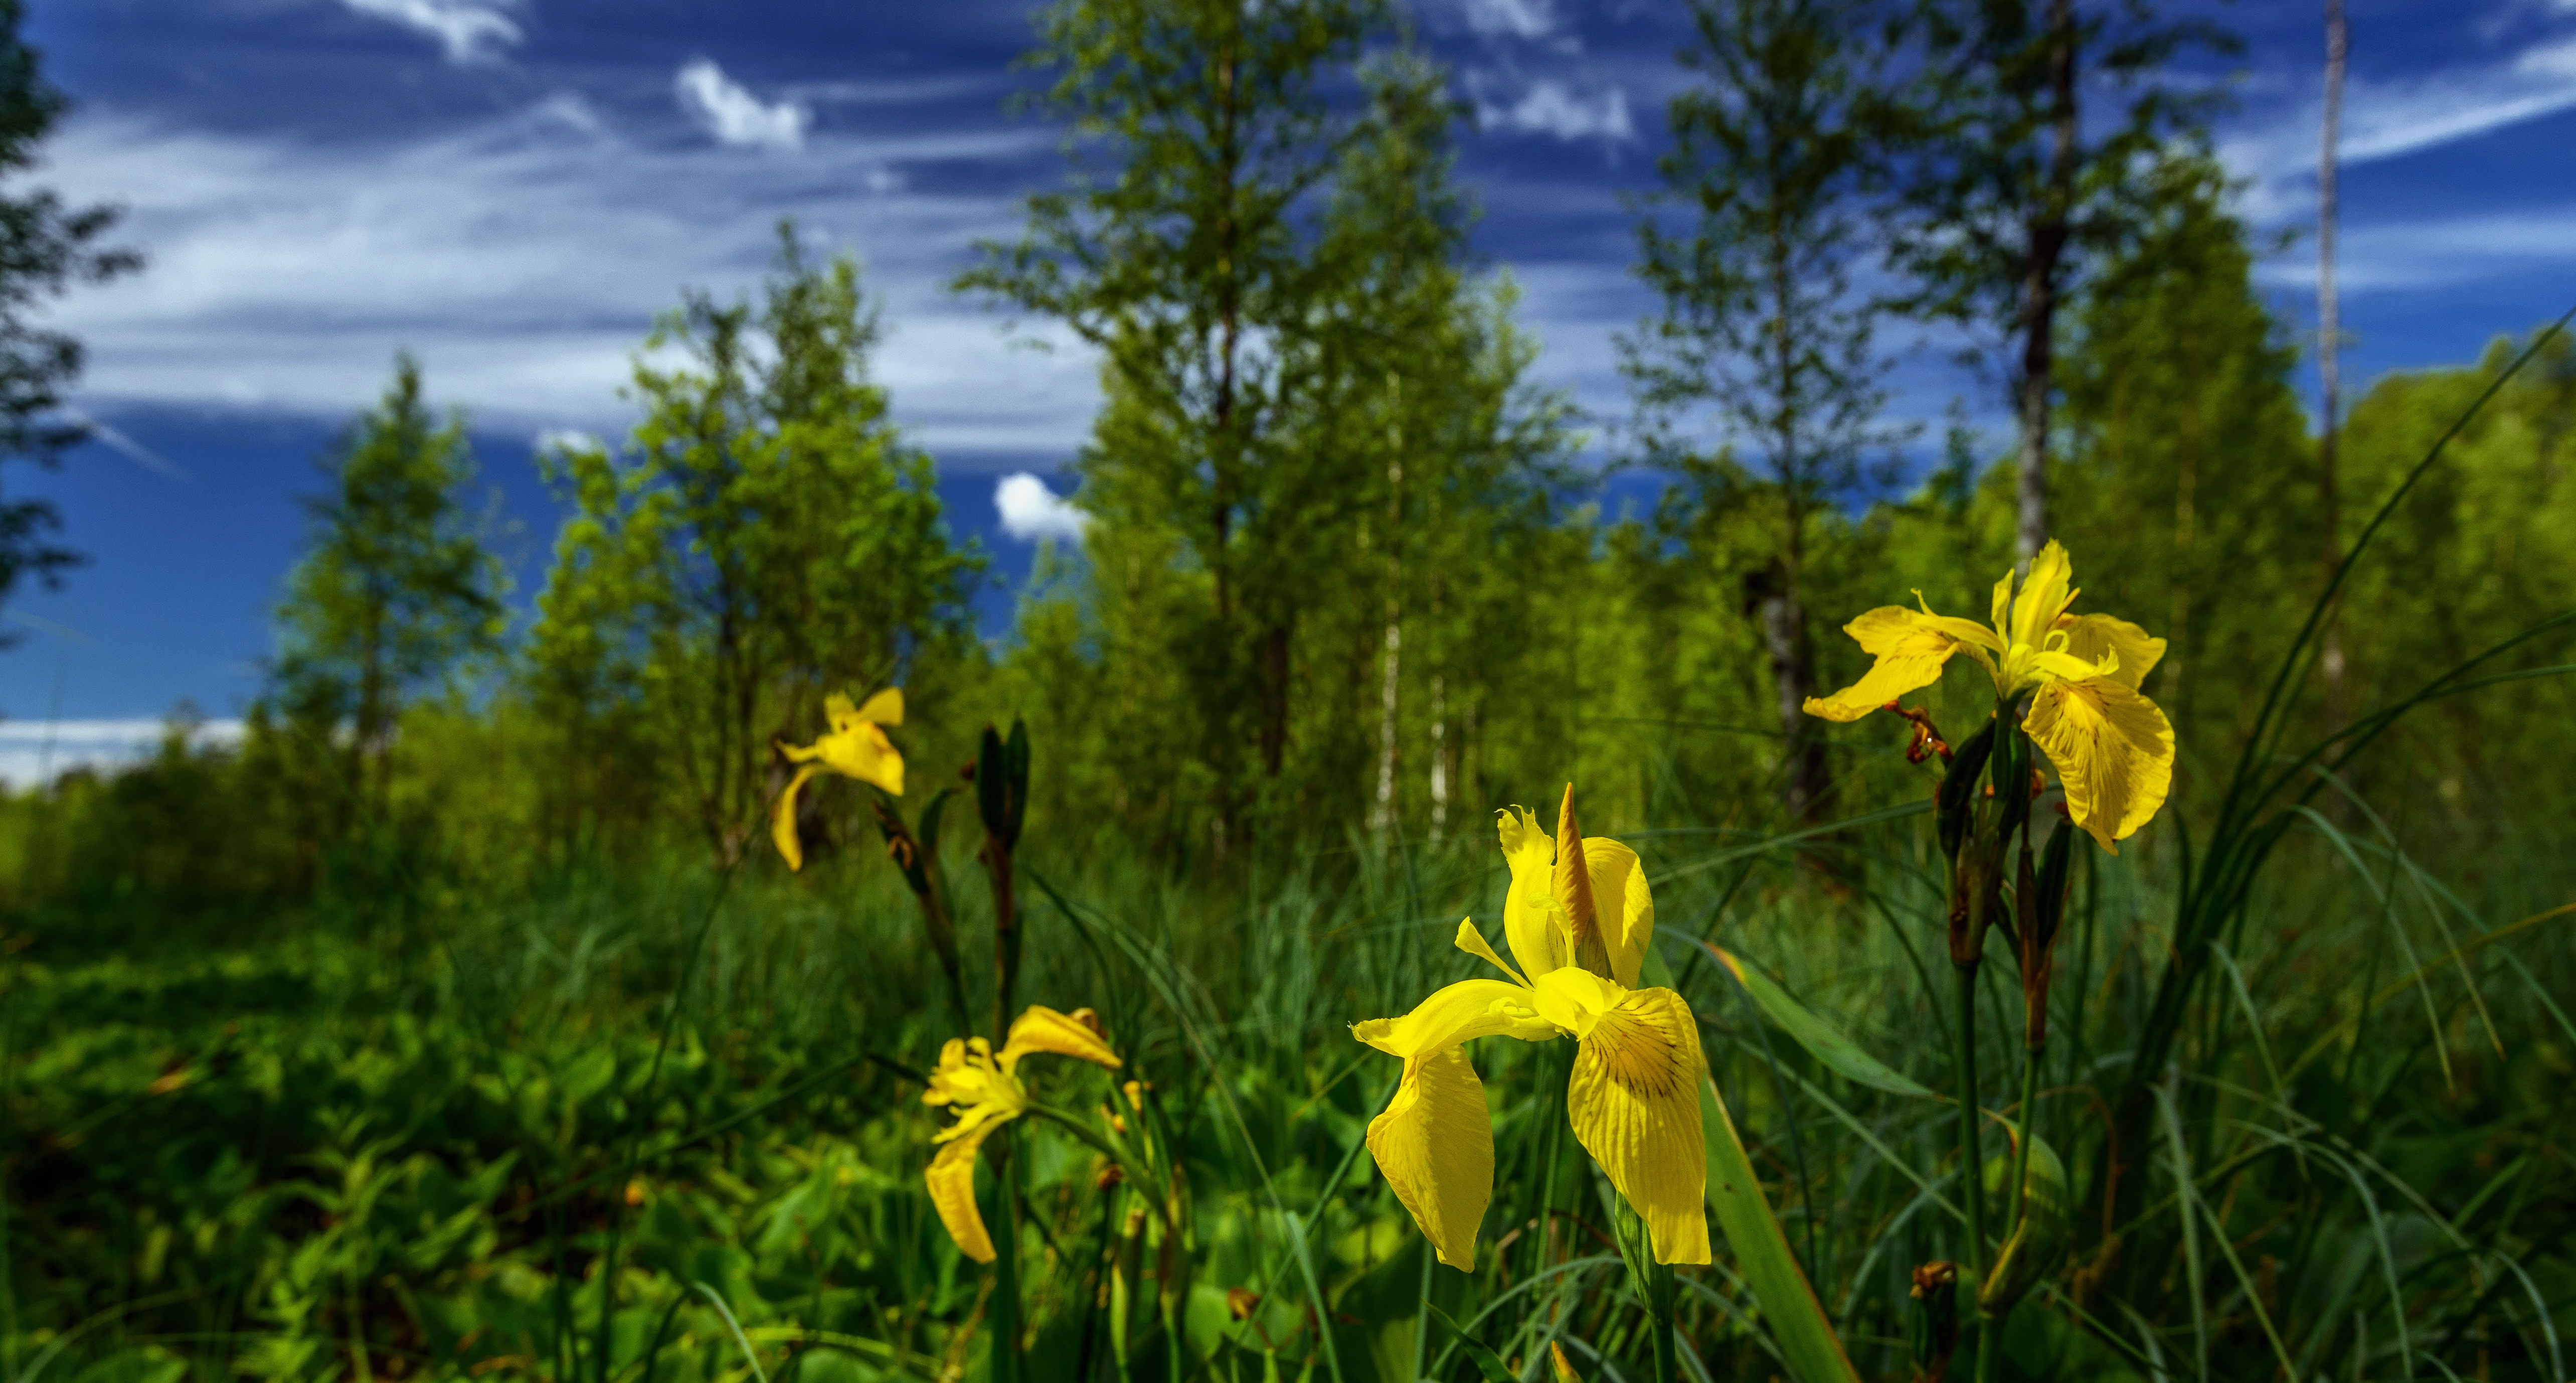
300,1156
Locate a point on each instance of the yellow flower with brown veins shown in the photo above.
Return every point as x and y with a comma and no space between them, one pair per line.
856,747
983,1087
1579,919
2113,748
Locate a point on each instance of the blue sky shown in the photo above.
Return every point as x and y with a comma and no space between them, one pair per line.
511,188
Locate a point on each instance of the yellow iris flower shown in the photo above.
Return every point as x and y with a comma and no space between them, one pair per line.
857,747
1579,919
2113,748
984,1088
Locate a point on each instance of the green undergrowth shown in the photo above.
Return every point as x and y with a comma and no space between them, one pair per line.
412,1140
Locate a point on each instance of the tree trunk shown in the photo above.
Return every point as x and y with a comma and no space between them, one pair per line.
2046,251
2329,328
1783,617
1389,722
1274,697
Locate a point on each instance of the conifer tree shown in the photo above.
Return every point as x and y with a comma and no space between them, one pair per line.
1762,330
45,249
398,586
1185,252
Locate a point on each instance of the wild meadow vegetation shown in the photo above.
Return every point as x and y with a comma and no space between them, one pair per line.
730,963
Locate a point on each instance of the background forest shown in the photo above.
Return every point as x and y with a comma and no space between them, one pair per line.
463,1019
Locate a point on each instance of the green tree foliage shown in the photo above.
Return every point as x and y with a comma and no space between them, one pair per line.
765,538
45,249
397,589
1187,253
2185,464
1409,457
2007,201
1762,333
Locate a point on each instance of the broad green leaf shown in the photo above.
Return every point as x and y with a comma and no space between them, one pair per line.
1797,1319
1811,1032
1789,1306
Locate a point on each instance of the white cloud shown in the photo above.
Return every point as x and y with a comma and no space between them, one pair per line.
728,110
1031,511
2433,254
2389,119
1550,107
470,30
1518,18
522,260
34,751
568,439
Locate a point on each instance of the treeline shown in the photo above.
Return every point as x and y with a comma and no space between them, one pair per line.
1344,576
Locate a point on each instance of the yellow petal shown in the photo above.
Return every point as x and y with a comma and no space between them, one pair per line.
1473,943
863,752
1911,648
951,1178
1529,923
1435,1146
1457,1013
1570,883
2044,596
782,819
1042,1029
884,708
2114,752
839,713
1634,1103
952,1059
2090,636
1625,907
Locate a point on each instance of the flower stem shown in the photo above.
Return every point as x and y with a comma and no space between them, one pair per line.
1006,1275
1972,1161
1990,1361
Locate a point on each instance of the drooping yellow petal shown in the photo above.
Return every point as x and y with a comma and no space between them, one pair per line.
1910,647
1624,905
1529,924
2088,637
1042,1029
1435,1146
1634,1103
1458,1013
2114,752
1473,943
951,1178
782,818
884,708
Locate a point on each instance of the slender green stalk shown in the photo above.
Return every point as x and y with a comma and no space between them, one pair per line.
1990,1361
1005,1313
1661,1297
1972,1160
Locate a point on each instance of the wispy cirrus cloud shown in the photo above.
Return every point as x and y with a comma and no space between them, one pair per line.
2393,117
523,260
468,30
